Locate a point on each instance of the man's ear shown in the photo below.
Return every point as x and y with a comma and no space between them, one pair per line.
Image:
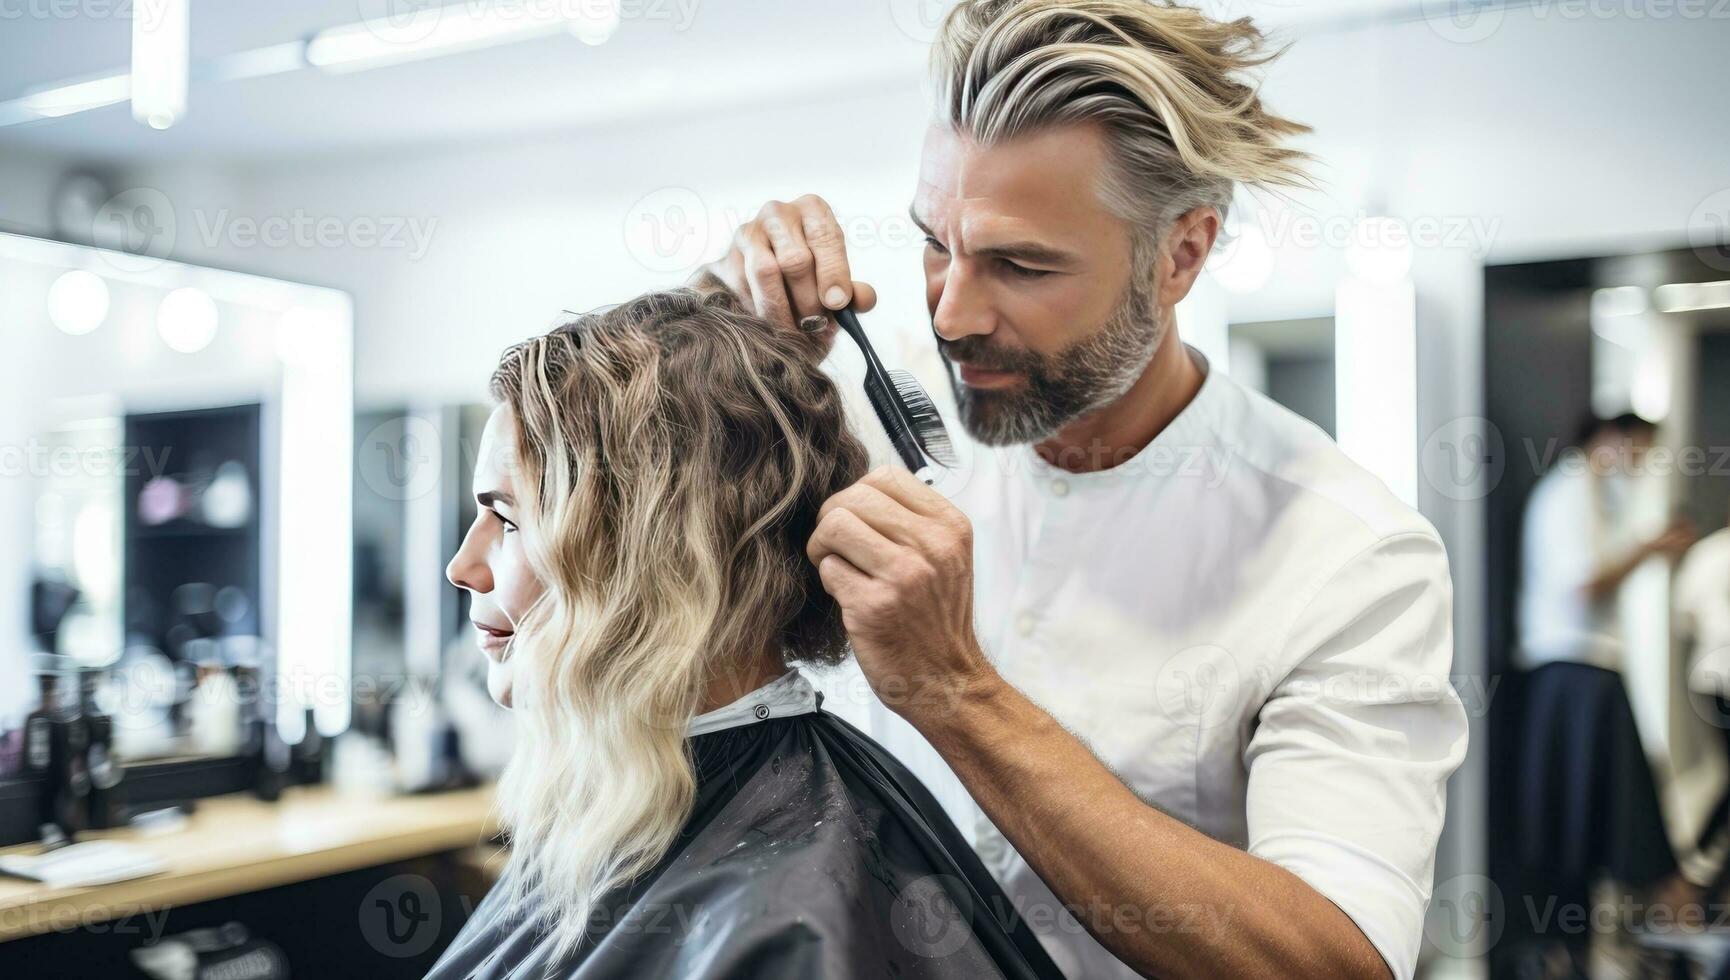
1184,251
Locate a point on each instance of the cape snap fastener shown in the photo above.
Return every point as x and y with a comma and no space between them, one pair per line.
761,711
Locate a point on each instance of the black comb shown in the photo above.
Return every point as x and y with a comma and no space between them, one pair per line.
902,406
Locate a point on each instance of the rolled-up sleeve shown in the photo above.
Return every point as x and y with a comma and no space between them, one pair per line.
1350,756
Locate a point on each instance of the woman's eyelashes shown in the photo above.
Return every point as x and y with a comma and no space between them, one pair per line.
509,527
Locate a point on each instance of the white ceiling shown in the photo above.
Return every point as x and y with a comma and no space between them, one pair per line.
732,52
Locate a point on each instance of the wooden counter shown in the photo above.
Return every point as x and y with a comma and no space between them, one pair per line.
237,844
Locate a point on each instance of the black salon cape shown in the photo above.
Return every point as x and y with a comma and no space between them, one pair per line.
810,853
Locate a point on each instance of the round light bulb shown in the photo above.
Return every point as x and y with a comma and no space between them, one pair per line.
1246,262
187,319
78,302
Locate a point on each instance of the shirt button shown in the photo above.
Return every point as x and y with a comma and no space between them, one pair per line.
761,711
1024,624
1060,488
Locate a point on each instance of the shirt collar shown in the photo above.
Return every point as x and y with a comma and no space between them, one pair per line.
785,696
1195,428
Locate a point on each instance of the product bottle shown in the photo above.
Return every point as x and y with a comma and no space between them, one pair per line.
271,764
107,794
37,723
309,755
70,777
40,740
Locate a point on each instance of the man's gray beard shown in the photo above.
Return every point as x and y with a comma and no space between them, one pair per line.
1061,388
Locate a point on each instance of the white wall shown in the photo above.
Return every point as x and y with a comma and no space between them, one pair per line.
496,241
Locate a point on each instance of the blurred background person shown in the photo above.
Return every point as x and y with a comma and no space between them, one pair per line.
1702,591
1583,540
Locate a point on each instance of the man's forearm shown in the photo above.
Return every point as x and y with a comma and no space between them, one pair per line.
1163,897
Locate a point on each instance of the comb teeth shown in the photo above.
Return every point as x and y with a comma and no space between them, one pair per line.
893,418
928,426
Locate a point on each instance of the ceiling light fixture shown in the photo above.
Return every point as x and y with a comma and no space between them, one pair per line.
161,33
64,100
1684,297
433,31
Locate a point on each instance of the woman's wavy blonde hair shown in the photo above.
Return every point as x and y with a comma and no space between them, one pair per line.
673,453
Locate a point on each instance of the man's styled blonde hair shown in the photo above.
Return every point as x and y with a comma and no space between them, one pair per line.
1162,79
672,454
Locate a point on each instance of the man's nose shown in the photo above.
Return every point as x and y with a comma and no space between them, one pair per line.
963,306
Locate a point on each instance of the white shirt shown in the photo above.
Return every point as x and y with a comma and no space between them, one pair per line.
1702,592
1247,628
1574,522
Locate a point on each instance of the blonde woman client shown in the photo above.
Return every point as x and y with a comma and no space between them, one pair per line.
679,804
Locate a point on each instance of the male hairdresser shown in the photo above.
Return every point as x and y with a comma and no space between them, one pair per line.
1189,661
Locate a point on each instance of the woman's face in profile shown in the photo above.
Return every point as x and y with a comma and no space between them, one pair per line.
492,563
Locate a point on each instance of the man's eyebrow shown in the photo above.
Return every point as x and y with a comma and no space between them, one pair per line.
491,498
1034,252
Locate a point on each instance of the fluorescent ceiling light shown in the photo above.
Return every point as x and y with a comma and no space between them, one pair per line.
1681,297
432,31
64,100
162,67
160,59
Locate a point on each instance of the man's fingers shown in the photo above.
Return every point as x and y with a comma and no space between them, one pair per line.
828,247
784,227
864,297
884,513
839,577
842,532
907,490
763,275
789,262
